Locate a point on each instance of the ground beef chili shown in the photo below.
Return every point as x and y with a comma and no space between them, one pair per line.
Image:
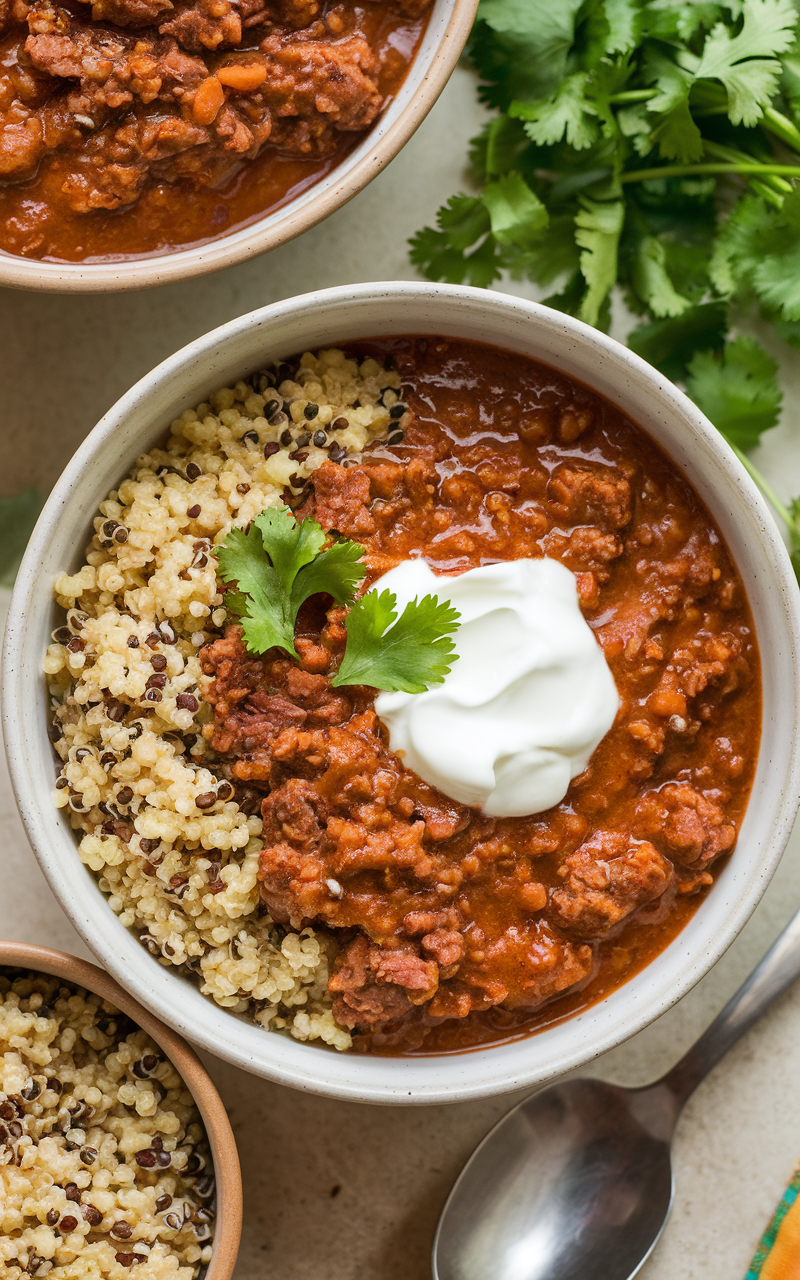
451,928
132,127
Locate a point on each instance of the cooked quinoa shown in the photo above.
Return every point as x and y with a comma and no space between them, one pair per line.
104,1164
159,826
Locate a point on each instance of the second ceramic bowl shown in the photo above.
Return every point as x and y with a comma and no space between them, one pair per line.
445,35
228,1222
327,318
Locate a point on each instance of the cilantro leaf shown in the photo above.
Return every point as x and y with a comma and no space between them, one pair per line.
675,133
517,216
684,20
759,247
776,272
442,254
554,256
598,229
635,123
498,148
737,390
464,219
566,114
671,343
18,515
277,564
432,253
289,543
790,82
746,63
336,572
407,654
624,18
651,280
520,46
735,250
260,601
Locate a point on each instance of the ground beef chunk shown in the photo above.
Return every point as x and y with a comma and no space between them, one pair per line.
689,827
296,13
103,186
373,988
531,964
113,70
24,138
317,89
205,24
130,13
11,11
605,880
589,495
447,947
211,24
341,500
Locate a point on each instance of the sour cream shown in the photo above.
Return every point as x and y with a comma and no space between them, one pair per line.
526,702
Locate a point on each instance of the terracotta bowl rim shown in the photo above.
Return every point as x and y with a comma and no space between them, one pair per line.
227,1170
379,146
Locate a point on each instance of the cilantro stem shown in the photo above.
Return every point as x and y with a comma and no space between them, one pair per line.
717,151
767,193
687,170
779,124
631,95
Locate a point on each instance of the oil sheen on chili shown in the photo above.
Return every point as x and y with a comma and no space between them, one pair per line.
132,127
449,928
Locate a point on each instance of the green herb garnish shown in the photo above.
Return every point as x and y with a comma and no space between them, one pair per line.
650,146
277,565
407,654
279,562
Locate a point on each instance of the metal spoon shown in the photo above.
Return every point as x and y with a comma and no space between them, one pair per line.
575,1183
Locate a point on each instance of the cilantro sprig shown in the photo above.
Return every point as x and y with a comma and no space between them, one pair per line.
409,653
652,148
279,562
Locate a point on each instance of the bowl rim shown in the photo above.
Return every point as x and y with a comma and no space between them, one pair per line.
227,1170
301,213
481,1072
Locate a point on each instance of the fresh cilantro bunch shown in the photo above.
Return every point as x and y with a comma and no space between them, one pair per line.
279,562
650,145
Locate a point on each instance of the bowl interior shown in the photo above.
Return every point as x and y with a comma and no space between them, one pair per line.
448,26
654,404
20,955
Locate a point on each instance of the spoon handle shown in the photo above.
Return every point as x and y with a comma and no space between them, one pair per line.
774,975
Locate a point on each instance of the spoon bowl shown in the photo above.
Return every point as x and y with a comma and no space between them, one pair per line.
574,1184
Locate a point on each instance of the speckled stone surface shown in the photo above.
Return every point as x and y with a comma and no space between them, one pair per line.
336,1190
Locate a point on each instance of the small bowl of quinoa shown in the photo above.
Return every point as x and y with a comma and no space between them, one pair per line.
116,1155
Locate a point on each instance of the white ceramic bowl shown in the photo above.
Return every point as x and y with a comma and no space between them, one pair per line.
336,315
446,34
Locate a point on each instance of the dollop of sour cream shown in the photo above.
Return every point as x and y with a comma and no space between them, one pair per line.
527,700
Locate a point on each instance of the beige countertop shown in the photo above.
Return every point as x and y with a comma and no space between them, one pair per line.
336,1190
